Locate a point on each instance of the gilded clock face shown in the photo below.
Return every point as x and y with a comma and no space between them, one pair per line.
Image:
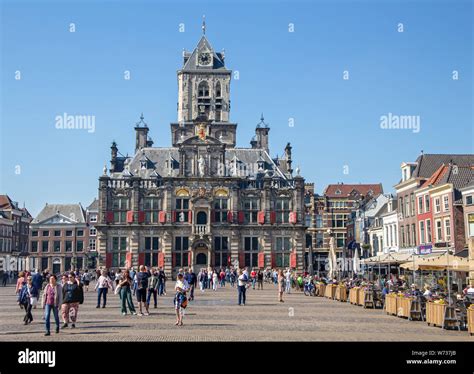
204,59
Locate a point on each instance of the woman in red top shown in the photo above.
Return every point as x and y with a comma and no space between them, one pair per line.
253,276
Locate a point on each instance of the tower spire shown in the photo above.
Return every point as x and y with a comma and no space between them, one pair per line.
203,25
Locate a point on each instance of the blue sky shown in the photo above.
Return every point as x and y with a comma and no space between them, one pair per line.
282,74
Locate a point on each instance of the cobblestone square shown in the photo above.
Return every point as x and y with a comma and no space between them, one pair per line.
215,316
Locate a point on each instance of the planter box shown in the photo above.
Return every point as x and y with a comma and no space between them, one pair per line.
354,295
435,314
361,296
403,306
391,304
341,293
321,288
330,292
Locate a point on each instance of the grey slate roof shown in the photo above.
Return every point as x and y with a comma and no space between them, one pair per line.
158,161
51,210
427,164
203,45
94,205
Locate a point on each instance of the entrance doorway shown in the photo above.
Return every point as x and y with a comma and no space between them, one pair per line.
56,266
201,259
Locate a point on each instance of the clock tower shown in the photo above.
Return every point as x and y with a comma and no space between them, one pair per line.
203,85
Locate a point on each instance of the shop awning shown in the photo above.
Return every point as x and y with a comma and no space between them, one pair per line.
438,262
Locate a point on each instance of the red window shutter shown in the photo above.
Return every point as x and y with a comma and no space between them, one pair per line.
161,260
213,215
229,260
293,217
174,260
173,216
190,216
241,217
261,260
241,259
273,260
141,259
272,217
141,217
129,216
108,260
162,216
293,258
261,217
230,217
128,260
109,217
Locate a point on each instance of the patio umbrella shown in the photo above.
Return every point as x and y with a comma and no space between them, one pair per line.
356,262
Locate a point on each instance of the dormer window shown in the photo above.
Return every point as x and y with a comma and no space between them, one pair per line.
338,192
143,164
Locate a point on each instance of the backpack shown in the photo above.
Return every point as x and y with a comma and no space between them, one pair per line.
23,295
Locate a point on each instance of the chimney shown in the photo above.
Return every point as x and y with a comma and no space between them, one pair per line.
288,157
113,159
141,130
261,134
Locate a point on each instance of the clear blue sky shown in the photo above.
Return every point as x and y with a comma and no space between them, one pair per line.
283,74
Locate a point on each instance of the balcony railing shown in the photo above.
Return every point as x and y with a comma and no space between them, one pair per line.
200,230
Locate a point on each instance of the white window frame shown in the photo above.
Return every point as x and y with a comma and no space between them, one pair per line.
437,203
447,226
446,203
437,236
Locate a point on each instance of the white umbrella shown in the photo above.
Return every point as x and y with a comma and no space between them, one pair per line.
356,262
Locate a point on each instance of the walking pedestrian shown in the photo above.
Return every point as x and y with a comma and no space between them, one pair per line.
253,276
215,280
20,282
102,286
281,285
142,287
52,299
152,288
28,298
242,282
125,292
161,282
260,280
86,279
73,295
5,278
288,281
180,300
191,278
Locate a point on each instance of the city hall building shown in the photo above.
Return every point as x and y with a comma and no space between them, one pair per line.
202,201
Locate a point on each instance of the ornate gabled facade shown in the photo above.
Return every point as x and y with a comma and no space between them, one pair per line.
203,201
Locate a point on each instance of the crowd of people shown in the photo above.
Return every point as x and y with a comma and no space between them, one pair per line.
61,295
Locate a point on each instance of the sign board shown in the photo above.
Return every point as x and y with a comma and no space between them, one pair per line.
425,249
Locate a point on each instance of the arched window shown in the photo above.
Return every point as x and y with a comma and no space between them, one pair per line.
201,218
203,89
218,89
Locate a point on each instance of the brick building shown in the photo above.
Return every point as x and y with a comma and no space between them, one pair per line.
59,238
414,175
20,219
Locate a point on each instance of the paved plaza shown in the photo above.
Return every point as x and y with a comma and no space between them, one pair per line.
215,316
